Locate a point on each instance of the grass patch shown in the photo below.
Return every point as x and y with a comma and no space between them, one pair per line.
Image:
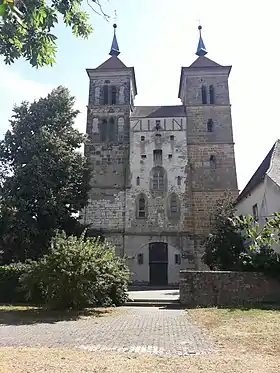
47,360
241,331
20,315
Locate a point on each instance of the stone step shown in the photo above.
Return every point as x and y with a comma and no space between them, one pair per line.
152,302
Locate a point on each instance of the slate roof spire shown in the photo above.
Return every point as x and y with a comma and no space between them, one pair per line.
201,50
115,47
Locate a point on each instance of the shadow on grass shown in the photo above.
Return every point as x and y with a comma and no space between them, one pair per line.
24,315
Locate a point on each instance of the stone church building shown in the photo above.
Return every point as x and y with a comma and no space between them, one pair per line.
157,171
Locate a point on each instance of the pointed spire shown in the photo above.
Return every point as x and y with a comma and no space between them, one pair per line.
201,50
115,47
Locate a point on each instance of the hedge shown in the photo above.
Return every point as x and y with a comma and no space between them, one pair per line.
10,291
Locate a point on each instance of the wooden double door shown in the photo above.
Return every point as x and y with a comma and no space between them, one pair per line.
158,261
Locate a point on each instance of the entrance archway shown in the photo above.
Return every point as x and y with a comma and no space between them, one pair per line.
158,261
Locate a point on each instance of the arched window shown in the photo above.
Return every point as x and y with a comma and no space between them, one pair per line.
141,207
138,180
113,95
212,162
204,94
158,178
173,206
179,180
105,95
103,130
211,94
210,125
112,130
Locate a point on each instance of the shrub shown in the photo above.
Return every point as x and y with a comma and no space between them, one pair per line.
10,291
78,272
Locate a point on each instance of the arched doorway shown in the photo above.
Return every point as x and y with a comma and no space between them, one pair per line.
158,260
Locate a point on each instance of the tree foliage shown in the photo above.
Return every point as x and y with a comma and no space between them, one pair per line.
78,272
225,243
27,26
44,179
264,243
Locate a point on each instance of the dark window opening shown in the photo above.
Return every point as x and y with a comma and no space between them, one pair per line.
140,258
204,94
255,212
105,95
157,155
211,94
158,135
107,81
172,138
142,138
103,130
212,162
138,180
143,156
169,156
177,259
157,125
112,130
141,208
179,180
113,95
210,125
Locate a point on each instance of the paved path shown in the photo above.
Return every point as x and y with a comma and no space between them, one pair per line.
164,295
131,329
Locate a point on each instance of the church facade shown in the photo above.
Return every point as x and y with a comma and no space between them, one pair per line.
157,172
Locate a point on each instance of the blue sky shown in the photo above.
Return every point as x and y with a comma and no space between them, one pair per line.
157,37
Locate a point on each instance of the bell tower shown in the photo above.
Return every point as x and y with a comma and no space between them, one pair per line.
112,88
204,92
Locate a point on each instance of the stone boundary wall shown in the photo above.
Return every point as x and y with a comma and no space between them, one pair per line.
226,288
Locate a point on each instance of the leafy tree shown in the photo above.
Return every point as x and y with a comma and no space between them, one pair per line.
260,256
225,243
78,272
44,179
26,27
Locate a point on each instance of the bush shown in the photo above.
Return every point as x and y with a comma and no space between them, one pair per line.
78,272
10,291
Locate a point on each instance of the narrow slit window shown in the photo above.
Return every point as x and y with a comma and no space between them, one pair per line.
210,125
173,205
157,125
179,180
212,162
211,94
112,130
255,212
140,258
204,94
138,180
113,95
177,259
169,156
141,208
103,130
105,95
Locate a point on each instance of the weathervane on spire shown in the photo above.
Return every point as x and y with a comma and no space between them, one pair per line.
115,47
201,50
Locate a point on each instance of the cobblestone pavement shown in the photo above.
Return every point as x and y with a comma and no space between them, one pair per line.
131,329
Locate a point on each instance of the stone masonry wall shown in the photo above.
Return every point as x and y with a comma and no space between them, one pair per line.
224,288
